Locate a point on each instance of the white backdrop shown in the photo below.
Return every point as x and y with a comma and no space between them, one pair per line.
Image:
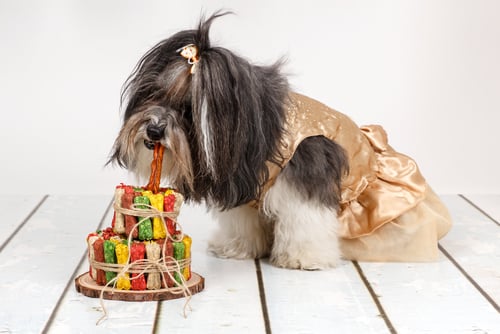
427,70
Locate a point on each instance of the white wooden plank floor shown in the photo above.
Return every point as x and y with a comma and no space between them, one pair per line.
42,250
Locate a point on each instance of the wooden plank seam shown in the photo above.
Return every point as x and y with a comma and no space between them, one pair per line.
70,283
156,327
479,209
262,293
375,298
470,279
28,217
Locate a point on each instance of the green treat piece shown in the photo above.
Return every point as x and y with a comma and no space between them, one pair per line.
145,227
141,200
179,251
109,257
146,230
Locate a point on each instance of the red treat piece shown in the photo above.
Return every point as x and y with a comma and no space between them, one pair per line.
99,257
128,189
137,252
130,221
107,233
168,206
167,253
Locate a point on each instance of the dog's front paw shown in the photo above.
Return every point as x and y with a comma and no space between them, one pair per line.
241,234
236,248
305,260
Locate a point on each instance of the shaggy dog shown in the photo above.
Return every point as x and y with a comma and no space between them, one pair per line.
225,125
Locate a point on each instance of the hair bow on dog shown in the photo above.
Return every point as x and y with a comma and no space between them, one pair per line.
190,52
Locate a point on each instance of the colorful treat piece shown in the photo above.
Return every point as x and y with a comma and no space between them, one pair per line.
157,202
169,206
137,252
187,241
107,233
145,226
109,257
91,238
168,255
123,282
130,221
118,218
98,247
153,252
155,176
179,251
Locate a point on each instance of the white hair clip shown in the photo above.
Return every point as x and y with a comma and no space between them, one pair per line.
190,52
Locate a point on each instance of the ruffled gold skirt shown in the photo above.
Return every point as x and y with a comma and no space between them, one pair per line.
388,212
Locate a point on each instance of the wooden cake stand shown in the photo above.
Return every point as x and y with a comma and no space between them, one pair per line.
87,286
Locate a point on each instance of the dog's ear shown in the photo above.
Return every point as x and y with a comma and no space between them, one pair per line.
124,148
237,117
178,145
233,101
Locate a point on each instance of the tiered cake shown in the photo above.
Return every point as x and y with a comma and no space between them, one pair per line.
134,239
144,255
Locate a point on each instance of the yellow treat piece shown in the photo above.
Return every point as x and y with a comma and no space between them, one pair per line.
147,193
158,226
123,282
116,240
187,241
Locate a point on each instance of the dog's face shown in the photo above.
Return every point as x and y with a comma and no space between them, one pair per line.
159,109
219,117
144,128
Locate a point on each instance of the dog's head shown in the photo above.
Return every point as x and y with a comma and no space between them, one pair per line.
219,117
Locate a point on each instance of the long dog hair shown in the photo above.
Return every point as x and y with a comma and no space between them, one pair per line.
230,111
222,126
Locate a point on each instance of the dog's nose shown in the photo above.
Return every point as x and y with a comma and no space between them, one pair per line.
154,132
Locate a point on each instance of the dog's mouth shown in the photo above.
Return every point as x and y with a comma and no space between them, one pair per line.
150,144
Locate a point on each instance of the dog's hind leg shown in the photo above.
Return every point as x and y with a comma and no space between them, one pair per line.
303,202
304,231
241,234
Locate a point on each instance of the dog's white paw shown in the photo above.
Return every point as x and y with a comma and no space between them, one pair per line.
235,248
241,235
307,260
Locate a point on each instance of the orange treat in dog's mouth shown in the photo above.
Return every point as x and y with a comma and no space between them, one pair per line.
155,176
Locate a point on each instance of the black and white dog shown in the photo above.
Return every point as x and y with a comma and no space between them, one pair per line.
221,120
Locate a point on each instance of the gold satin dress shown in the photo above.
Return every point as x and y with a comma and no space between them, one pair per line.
387,212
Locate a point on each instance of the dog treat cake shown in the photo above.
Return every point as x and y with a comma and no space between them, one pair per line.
133,238
144,251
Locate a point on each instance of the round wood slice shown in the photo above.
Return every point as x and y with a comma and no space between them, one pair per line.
88,287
